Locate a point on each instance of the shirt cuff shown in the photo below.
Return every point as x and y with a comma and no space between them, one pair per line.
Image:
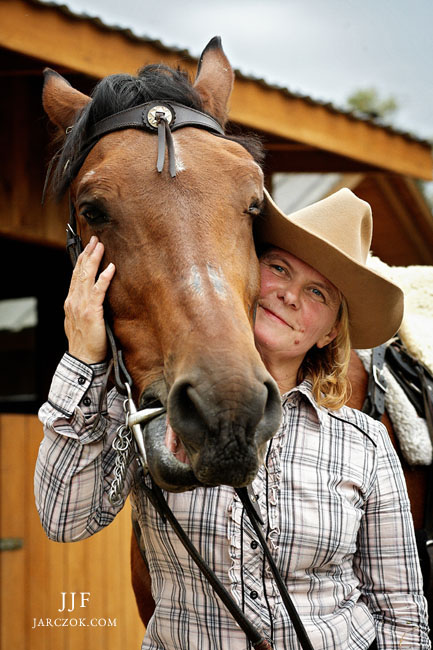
72,381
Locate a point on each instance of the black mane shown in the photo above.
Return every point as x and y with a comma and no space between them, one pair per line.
119,92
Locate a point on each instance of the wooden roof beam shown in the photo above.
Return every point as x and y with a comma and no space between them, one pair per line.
47,33
271,110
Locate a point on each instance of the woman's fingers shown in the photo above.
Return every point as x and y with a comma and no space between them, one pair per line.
84,314
103,282
87,265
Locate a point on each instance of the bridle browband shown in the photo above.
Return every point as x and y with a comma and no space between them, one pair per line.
162,117
149,114
158,116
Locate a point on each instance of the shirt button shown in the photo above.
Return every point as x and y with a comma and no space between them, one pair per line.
254,544
81,380
87,401
254,594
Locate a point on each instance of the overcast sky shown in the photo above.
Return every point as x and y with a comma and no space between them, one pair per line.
322,48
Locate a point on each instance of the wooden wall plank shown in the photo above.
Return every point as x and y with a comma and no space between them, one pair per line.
12,525
36,548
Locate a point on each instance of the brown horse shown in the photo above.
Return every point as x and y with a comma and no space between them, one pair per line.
187,277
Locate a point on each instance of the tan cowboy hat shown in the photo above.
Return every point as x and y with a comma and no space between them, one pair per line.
334,236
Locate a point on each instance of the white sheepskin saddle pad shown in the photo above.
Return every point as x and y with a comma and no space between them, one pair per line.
416,332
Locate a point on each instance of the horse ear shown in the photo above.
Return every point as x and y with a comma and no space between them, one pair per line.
61,102
214,80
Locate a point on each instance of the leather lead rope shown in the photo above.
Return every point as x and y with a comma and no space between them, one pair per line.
157,498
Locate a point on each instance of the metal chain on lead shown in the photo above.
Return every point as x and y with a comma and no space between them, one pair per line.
128,444
123,445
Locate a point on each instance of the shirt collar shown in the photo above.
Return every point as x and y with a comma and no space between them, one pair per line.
303,390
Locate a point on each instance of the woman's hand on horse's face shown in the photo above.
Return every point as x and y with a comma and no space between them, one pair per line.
84,312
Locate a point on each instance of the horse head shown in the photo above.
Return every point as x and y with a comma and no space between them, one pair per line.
187,278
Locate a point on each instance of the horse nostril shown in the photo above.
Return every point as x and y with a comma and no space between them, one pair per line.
195,408
272,414
184,411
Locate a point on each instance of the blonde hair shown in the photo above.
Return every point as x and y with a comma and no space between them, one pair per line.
327,367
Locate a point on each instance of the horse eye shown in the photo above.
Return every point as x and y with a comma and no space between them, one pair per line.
254,209
94,215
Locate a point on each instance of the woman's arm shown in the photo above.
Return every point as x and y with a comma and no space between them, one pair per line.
387,559
74,468
75,463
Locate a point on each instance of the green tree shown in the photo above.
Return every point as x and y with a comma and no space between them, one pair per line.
368,101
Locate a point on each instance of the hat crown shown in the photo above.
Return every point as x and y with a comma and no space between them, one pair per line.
343,220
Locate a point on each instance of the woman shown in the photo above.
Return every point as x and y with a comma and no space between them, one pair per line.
331,490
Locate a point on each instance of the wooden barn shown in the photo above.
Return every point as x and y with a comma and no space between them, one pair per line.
301,136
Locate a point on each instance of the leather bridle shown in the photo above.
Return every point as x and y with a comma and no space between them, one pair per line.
162,117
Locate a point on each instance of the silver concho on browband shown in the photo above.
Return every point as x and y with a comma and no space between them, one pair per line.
155,114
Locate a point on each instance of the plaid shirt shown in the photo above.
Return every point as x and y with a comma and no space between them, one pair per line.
336,512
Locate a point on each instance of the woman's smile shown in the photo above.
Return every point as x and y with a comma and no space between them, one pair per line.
271,314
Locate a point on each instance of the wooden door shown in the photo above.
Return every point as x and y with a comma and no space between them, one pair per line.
34,575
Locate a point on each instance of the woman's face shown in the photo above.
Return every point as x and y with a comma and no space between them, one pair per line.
297,308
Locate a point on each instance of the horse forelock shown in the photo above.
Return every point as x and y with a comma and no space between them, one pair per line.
116,93
119,92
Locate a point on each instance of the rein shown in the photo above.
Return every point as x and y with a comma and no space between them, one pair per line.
162,117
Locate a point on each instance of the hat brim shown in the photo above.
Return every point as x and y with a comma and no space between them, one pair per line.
375,305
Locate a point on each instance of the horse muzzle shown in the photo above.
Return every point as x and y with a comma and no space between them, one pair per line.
210,443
